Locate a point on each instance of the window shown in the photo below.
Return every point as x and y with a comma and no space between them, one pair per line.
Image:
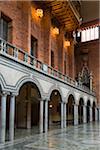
5,27
33,46
52,58
90,34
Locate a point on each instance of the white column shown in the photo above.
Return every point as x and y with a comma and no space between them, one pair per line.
90,114
96,114
99,114
62,115
84,114
11,118
29,115
46,115
75,114
3,118
41,116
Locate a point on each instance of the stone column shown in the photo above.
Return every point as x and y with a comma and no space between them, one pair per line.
3,118
46,115
84,114
12,117
75,114
41,116
90,114
99,114
29,115
96,117
62,115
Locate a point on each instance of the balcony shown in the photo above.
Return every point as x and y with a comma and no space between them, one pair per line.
19,56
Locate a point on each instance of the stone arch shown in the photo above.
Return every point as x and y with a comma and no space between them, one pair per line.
88,110
2,83
70,93
80,110
70,109
34,81
81,100
53,88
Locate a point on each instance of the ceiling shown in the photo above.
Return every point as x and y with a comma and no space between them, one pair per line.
63,11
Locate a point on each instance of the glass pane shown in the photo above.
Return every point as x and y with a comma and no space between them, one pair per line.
88,35
96,36
92,33
83,36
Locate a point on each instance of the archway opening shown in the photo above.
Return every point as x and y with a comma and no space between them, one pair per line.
55,109
93,111
80,111
88,111
28,107
70,110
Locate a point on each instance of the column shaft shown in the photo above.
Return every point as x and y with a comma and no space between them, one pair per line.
46,116
96,114
99,114
62,115
75,114
90,114
12,117
3,118
41,116
84,114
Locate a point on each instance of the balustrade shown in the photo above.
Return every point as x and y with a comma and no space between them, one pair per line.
18,54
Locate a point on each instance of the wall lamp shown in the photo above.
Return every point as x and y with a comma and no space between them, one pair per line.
39,13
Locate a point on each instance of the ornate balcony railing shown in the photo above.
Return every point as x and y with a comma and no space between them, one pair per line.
17,54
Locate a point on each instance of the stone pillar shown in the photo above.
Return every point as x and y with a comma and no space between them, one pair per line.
46,115
84,114
90,114
3,117
75,114
41,116
96,117
99,114
12,117
62,115
29,115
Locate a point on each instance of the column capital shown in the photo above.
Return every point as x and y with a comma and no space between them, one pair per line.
14,94
4,93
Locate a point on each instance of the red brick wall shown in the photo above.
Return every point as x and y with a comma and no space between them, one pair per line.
93,56
25,23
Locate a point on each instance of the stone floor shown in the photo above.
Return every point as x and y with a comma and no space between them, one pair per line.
82,137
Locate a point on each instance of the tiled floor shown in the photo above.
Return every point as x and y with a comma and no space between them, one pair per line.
82,137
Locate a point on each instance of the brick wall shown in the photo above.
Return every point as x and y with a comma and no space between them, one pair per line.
91,52
25,23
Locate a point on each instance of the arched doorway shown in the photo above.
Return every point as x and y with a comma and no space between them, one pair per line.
70,110
80,111
28,107
93,111
88,111
55,109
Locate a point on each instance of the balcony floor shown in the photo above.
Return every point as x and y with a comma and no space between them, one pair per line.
82,137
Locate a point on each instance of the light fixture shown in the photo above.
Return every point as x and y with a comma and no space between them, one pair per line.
39,13
56,30
66,43
50,106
